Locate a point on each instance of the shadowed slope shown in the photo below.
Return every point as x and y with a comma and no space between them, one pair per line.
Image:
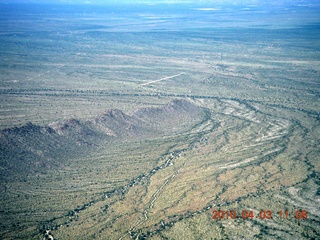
174,116
32,148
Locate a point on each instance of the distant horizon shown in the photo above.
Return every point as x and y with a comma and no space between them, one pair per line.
149,2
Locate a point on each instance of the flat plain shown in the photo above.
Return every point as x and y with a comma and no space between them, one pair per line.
137,122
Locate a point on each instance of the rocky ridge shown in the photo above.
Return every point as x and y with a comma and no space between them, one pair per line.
33,149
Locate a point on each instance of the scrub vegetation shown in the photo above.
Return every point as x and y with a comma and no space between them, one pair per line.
138,122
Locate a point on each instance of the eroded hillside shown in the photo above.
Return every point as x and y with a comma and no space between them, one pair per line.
160,121
33,149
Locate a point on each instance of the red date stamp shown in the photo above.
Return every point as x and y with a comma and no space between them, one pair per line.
263,214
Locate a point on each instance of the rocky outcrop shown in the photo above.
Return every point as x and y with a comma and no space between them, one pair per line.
34,149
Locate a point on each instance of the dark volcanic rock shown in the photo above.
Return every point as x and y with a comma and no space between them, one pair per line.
29,128
31,148
77,131
174,116
118,124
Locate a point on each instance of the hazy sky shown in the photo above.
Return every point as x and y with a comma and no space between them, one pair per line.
167,1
